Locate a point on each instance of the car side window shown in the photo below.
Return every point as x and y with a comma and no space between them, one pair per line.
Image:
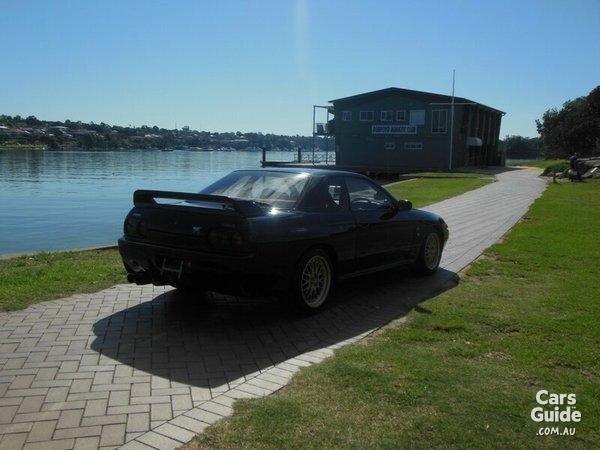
365,196
328,195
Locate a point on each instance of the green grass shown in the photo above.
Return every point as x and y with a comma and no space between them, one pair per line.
447,174
29,279
542,163
22,147
424,191
549,165
525,317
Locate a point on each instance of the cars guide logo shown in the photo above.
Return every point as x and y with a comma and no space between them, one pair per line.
556,409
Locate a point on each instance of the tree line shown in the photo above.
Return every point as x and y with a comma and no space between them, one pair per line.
76,134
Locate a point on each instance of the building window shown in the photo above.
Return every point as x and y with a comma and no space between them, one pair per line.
387,116
439,119
390,146
417,117
400,116
413,146
347,116
366,116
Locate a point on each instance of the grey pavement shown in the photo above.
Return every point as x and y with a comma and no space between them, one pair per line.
142,367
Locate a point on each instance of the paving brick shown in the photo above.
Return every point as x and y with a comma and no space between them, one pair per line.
200,394
189,423
47,373
140,390
113,435
25,392
161,411
61,406
150,399
55,444
181,402
70,418
118,398
103,378
128,409
136,445
80,386
203,415
175,432
32,404
11,401
37,416
87,443
87,396
158,441
104,420
65,433
7,413
42,431
138,422
95,407
13,441
57,394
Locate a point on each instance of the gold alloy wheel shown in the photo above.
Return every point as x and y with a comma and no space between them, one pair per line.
432,255
315,281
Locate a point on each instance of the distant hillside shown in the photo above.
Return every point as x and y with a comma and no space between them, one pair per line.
31,131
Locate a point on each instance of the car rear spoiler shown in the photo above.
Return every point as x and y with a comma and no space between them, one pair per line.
243,207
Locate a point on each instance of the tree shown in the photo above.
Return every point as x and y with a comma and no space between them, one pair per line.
50,141
520,147
573,128
32,121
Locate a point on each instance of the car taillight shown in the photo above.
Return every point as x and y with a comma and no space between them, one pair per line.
219,239
237,241
130,227
227,239
142,228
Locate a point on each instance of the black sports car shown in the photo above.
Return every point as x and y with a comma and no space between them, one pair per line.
290,231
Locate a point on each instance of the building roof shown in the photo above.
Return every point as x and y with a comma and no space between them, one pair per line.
436,98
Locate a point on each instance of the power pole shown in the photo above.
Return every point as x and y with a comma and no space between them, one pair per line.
452,121
313,133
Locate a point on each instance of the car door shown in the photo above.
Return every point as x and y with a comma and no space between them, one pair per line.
330,219
381,238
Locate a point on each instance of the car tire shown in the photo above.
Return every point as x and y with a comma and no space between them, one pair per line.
312,281
430,254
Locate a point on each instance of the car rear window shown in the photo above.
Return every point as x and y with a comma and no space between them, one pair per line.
277,189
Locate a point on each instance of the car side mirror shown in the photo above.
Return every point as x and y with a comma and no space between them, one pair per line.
404,205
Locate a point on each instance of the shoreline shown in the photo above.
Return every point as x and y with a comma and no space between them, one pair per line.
5,256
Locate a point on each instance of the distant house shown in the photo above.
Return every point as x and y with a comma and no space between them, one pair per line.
396,130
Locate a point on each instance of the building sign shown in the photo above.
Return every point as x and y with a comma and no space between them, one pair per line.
394,129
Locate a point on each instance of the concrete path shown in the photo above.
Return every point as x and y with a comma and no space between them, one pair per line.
144,368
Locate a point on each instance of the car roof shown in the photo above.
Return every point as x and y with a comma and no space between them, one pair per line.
313,171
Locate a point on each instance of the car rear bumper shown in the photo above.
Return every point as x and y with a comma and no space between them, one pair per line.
237,274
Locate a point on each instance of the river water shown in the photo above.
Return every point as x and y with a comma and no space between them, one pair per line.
51,200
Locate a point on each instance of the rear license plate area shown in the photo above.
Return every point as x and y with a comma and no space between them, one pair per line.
171,266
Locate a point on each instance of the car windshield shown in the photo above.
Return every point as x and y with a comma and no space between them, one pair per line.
278,189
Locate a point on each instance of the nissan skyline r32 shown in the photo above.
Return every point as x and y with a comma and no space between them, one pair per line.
276,231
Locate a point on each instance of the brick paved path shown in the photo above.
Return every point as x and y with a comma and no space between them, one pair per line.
144,367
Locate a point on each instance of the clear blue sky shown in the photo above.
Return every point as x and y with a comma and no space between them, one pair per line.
260,66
